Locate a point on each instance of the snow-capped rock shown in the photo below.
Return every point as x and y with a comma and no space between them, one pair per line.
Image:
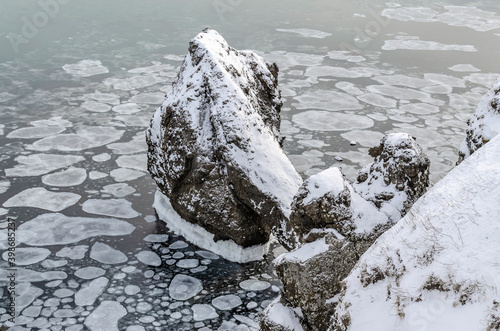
214,144
332,225
484,124
398,176
437,269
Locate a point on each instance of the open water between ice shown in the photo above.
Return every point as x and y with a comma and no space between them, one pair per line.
78,92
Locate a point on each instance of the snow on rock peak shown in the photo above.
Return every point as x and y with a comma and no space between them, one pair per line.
484,124
214,144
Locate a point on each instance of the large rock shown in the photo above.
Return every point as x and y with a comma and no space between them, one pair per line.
484,124
333,225
214,144
398,176
437,269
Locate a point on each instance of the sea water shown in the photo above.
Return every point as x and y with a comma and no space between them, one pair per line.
79,81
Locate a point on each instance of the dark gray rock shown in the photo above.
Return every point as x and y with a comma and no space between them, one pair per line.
214,144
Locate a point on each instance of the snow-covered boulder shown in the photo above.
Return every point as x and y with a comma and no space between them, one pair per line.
214,144
398,176
332,225
484,124
437,269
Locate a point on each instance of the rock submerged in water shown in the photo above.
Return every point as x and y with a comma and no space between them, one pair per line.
214,144
333,223
484,124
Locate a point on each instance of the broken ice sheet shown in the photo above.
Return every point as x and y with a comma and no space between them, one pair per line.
39,197
66,178
57,229
28,255
85,68
40,164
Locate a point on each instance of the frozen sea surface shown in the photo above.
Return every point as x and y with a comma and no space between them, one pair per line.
91,253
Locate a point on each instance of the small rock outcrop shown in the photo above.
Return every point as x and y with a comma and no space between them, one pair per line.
484,124
438,267
214,144
334,224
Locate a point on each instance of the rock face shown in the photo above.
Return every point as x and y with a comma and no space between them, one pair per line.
333,224
214,144
438,267
484,123
398,176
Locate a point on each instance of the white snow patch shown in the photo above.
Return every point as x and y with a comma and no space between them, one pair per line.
304,252
202,238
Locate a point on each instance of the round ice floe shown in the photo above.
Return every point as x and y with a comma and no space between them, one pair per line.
149,258
96,107
132,289
226,302
188,263
89,292
74,253
103,157
135,328
85,68
39,197
143,307
89,272
178,245
63,293
254,285
203,312
110,207
106,254
184,287
28,256
125,175
377,100
110,98
119,190
156,238
35,132
127,108
138,162
84,138
148,98
419,108
94,175
326,100
331,121
70,177
51,264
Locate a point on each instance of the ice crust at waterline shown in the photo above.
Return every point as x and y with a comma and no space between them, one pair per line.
197,235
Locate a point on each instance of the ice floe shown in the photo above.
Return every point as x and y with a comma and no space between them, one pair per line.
132,289
4,187
148,98
103,157
38,197
94,175
179,244
27,275
89,292
85,68
156,238
135,82
203,312
149,258
346,56
365,138
106,316
127,108
377,100
35,132
136,145
57,229
28,255
183,287
40,164
74,253
109,98
188,263
96,107
84,138
445,80
227,302
254,285
66,178
415,44
331,121
137,162
125,175
89,272
118,190
326,100
106,254
308,33
110,207
464,68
